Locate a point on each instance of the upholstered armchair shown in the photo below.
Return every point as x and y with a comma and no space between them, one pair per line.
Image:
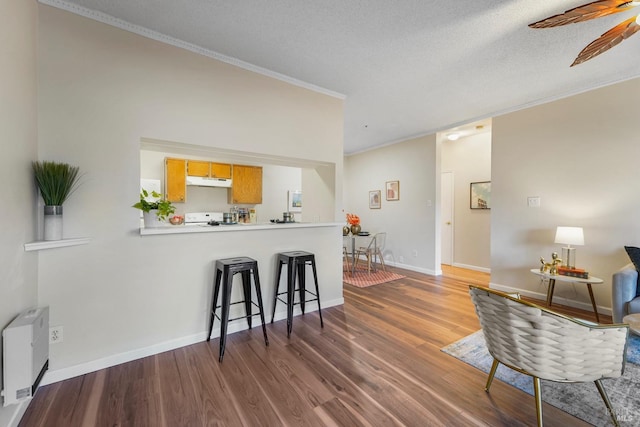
547,345
624,291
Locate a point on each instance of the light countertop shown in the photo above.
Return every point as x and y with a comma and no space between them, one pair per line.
189,228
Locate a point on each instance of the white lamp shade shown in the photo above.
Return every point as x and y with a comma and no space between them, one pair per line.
570,236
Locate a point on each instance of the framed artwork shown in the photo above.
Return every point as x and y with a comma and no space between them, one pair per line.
294,200
480,195
393,190
374,199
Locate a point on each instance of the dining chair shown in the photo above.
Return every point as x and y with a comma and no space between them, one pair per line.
345,259
373,250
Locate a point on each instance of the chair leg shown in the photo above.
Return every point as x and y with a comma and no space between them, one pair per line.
345,260
246,290
291,286
607,402
357,262
382,261
538,395
315,279
492,373
227,279
301,283
277,285
256,280
214,302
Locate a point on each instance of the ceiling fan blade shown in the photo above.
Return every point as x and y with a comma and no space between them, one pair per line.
586,12
622,31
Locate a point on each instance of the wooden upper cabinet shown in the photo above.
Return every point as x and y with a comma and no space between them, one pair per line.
208,169
175,178
220,170
198,168
246,187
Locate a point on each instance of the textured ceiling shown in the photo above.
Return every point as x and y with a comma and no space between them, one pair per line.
405,67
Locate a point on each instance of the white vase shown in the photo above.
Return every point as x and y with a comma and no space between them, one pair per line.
53,223
151,219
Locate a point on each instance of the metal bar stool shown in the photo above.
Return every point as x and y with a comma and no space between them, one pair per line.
296,261
225,270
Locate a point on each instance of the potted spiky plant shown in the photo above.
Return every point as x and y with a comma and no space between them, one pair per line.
56,182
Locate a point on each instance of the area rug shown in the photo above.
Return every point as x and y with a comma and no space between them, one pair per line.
362,278
581,400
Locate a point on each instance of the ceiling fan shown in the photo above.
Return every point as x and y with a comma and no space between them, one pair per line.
594,10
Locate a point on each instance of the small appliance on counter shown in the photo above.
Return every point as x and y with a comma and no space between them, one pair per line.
287,218
228,218
204,219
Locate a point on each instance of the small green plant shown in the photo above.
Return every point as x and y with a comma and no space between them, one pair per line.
164,207
56,181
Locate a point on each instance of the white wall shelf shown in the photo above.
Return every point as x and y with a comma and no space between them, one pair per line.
50,244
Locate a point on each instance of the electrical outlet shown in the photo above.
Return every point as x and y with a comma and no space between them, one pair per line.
56,334
415,253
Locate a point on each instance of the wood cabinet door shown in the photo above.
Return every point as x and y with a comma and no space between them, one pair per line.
220,170
175,179
247,185
198,168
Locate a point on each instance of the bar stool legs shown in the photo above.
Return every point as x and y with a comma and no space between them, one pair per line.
225,270
291,285
315,279
296,263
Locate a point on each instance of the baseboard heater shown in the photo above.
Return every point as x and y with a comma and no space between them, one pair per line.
25,350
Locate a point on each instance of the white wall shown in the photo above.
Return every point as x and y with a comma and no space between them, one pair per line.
469,159
580,156
410,221
18,269
101,92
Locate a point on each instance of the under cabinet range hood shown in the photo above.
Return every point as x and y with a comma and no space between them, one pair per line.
208,182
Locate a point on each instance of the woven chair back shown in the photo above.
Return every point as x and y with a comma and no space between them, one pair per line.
546,344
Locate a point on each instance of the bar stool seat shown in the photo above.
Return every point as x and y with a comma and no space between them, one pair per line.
225,270
296,261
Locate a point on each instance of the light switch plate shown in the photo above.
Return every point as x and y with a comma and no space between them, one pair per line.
533,202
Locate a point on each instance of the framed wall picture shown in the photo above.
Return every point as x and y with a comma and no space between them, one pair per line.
480,195
294,200
374,199
393,190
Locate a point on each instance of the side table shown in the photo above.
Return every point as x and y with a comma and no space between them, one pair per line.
633,320
568,279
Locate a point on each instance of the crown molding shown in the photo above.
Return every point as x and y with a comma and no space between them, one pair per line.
154,35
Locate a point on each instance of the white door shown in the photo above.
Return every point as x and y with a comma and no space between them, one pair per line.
446,192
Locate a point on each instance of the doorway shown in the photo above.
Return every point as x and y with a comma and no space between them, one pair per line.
446,217
465,231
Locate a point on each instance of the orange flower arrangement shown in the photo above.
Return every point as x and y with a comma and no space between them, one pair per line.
353,219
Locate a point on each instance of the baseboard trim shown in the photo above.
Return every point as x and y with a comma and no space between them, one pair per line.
556,299
11,415
472,267
414,268
62,374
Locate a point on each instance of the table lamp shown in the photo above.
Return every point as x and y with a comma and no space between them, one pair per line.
569,236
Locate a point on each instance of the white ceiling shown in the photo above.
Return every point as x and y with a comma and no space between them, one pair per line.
405,67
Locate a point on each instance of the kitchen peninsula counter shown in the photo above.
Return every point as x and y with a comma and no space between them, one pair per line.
180,260
195,228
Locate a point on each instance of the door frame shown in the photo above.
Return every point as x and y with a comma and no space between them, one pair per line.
450,235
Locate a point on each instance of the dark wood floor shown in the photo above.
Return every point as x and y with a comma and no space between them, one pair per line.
377,362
